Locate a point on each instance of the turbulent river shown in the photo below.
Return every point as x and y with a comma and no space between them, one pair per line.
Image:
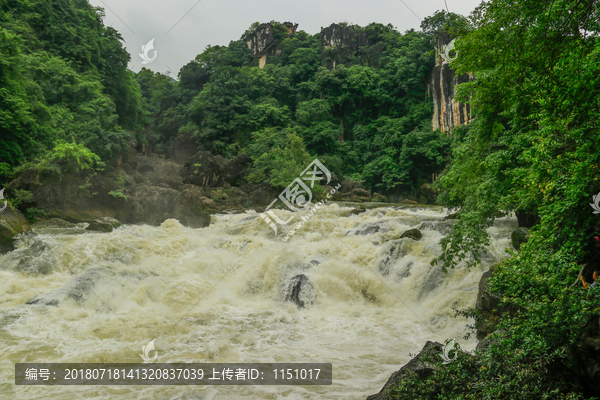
231,293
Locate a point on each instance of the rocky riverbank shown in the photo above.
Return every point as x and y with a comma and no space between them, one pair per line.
489,309
147,188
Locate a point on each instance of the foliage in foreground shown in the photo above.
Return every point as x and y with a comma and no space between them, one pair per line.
533,147
63,75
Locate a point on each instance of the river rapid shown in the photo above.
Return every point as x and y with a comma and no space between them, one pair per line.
218,294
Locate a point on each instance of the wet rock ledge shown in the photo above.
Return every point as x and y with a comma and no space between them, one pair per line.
416,365
143,187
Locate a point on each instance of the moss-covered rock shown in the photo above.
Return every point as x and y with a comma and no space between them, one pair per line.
104,224
414,234
12,223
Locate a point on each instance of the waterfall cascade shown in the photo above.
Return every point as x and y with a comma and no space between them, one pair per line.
346,289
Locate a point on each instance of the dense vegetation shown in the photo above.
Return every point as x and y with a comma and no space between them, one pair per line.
368,118
63,76
533,147
363,110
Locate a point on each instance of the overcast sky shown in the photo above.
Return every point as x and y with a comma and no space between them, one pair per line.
183,28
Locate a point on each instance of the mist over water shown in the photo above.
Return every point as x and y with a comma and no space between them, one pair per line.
160,281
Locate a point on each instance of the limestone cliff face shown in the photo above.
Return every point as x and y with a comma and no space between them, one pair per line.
337,35
441,85
262,42
345,44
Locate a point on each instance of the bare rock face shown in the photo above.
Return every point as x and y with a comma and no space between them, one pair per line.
441,85
12,223
206,170
182,148
262,42
346,42
488,307
337,35
156,170
154,204
416,365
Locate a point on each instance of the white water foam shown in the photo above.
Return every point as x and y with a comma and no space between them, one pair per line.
100,297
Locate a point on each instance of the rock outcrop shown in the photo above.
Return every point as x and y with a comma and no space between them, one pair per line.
417,365
336,35
348,44
518,237
352,191
414,234
145,189
105,224
263,42
12,223
441,86
206,170
182,148
488,307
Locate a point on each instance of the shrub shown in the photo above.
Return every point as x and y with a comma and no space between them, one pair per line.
118,194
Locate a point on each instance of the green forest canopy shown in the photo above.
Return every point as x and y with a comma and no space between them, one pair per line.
368,118
64,75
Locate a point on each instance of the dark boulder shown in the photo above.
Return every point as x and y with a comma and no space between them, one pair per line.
452,216
12,223
104,224
417,365
519,236
235,168
182,148
527,219
298,290
260,195
77,288
488,307
369,229
356,211
157,171
206,170
194,209
414,234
